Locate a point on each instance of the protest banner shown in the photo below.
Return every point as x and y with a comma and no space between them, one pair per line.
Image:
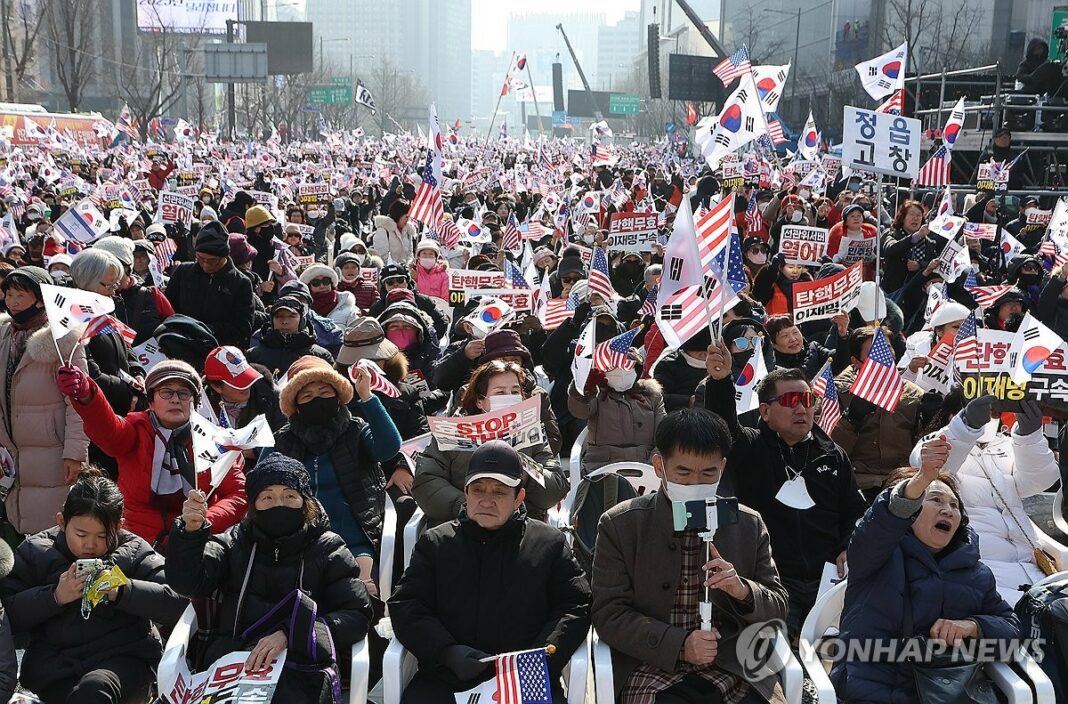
803,245
1039,217
369,275
881,142
267,200
460,280
632,232
313,193
991,177
935,375
953,260
149,353
520,299
823,299
519,425
732,174
226,680
856,249
174,207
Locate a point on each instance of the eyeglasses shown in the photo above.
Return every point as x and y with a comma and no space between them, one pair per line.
744,343
790,399
322,281
111,286
570,279
169,394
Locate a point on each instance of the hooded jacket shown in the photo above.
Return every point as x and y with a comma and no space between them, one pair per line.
277,350
425,351
390,242
61,643
222,301
621,426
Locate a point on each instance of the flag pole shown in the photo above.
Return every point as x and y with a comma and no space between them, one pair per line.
493,117
878,239
534,93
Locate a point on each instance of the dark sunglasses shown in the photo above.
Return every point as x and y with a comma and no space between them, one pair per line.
570,279
322,281
790,399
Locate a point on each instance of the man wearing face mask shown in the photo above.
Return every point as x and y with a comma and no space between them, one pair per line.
647,580
627,274
1030,236
680,371
1026,272
796,477
286,337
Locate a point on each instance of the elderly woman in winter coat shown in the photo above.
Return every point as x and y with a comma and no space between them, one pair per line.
439,474
394,236
327,300
914,571
622,413
996,471
286,580
342,453
38,426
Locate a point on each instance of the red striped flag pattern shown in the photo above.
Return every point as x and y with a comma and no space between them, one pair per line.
831,409
426,206
379,382
106,324
734,66
879,380
937,169
612,354
986,296
714,232
165,250
895,104
599,280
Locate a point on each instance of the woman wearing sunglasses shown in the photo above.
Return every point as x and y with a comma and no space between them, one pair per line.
154,450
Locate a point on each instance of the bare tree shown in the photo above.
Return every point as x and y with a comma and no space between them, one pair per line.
153,81
751,29
394,90
22,25
71,29
953,44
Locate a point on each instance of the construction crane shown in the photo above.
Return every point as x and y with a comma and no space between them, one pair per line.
585,83
702,29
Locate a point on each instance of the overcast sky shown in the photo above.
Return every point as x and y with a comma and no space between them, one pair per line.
489,18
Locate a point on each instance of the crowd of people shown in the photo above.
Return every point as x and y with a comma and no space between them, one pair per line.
335,323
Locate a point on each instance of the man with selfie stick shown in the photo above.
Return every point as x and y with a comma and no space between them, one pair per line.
648,577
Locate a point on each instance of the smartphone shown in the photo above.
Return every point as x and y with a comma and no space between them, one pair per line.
86,568
722,510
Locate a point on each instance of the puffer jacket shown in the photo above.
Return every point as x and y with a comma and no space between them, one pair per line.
883,440
222,301
310,574
277,351
143,308
356,448
678,380
390,242
894,581
345,311
620,426
425,352
61,643
439,482
38,426
434,283
1018,467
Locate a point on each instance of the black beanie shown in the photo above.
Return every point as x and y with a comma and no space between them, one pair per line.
31,277
571,263
213,239
277,468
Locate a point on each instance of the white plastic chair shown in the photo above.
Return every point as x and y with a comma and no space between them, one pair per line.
387,549
399,667
639,475
178,644
1058,517
415,527
822,621
560,515
791,676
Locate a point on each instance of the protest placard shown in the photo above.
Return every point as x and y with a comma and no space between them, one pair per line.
803,245
174,207
856,249
519,425
460,280
822,299
632,232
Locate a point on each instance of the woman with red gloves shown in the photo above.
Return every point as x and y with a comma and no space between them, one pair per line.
154,449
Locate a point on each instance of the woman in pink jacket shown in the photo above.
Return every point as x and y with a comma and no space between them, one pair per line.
430,271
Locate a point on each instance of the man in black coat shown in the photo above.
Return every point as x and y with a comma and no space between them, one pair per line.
212,290
490,582
792,473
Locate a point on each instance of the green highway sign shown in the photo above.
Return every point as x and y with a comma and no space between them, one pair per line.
341,80
330,95
621,104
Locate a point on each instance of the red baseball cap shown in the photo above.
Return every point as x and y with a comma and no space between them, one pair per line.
228,365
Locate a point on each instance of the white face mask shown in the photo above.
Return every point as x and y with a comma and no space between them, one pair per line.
621,379
796,216
804,194
794,493
427,262
1027,211
693,361
690,492
588,239
502,401
759,259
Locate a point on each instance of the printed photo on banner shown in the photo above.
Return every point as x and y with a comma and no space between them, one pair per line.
803,245
632,232
825,298
520,426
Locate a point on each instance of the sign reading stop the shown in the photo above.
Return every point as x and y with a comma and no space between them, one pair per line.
803,245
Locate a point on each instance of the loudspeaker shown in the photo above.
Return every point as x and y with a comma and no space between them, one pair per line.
558,87
652,49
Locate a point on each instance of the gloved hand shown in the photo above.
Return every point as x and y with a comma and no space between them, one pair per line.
858,410
73,382
582,314
463,661
1029,417
977,412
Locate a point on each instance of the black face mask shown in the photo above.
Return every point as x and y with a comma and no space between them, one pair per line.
279,521
632,269
26,315
319,410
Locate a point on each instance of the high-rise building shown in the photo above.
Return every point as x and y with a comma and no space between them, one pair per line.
618,46
430,39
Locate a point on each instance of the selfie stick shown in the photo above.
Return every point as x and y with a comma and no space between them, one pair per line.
711,523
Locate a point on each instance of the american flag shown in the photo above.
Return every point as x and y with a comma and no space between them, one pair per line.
879,380
713,233
965,346
775,132
427,207
165,250
823,386
106,325
557,310
649,306
600,152
378,380
734,66
753,220
513,276
895,104
986,296
523,678
612,354
511,239
534,230
599,281
685,312
449,235
936,171
618,195
981,230
735,271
